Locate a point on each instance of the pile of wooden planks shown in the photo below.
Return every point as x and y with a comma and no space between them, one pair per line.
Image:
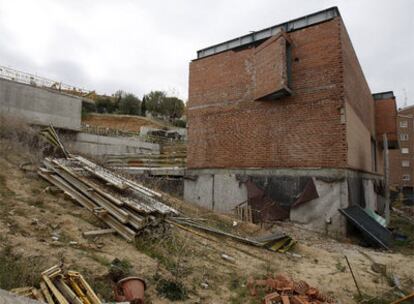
123,204
62,287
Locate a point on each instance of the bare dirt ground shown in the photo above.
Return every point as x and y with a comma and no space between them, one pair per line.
43,227
126,123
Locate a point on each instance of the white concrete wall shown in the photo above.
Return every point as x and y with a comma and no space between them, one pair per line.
321,214
199,191
102,145
226,190
40,106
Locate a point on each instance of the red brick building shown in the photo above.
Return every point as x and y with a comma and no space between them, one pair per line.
284,107
402,160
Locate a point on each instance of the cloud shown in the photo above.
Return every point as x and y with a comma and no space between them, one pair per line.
143,45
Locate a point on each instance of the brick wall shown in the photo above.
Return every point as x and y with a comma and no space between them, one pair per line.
386,119
360,111
397,171
228,129
270,60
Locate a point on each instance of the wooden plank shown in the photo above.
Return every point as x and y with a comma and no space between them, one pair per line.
93,298
113,199
46,293
102,173
98,232
38,295
59,297
67,292
101,201
122,230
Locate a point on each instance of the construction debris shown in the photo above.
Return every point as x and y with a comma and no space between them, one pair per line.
279,242
405,298
353,276
130,289
58,286
98,232
282,289
373,232
124,205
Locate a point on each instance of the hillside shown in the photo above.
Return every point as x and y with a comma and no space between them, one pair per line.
126,123
38,223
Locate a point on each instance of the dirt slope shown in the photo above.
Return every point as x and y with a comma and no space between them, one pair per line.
126,123
30,216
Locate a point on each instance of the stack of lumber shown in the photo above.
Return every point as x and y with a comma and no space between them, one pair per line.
123,204
62,287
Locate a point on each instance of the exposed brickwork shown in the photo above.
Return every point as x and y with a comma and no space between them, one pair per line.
360,111
356,89
228,129
386,119
270,67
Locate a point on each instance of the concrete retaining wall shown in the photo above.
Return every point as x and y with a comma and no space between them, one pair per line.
40,106
97,145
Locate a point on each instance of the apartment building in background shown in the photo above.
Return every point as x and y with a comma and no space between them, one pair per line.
402,160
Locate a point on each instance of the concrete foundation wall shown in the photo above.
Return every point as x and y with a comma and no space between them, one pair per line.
97,145
322,214
219,192
40,106
222,190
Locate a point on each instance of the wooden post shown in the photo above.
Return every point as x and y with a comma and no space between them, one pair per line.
353,276
386,179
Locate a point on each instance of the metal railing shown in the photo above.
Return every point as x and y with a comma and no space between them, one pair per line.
34,80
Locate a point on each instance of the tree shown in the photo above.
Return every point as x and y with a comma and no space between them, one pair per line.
117,96
172,107
144,106
130,104
158,103
105,105
153,101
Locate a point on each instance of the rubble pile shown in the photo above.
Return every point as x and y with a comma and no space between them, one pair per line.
282,289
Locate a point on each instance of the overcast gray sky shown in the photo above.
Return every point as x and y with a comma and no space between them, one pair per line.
140,46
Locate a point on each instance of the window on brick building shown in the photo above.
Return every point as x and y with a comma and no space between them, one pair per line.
405,150
403,136
403,124
406,177
405,163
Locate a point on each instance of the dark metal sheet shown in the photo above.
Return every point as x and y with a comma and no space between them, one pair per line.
371,229
309,193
